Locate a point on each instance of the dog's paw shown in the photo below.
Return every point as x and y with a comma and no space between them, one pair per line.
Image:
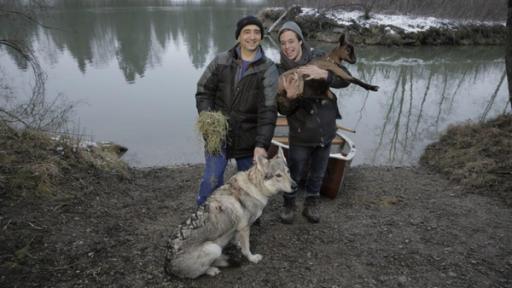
213,271
374,88
255,258
221,261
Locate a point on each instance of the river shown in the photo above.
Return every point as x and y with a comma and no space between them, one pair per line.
132,70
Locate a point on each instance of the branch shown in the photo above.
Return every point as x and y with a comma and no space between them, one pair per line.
24,16
27,18
16,47
16,118
346,5
280,18
37,100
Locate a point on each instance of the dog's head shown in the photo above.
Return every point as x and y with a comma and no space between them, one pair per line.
345,51
276,175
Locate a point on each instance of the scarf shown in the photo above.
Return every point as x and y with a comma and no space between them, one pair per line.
306,56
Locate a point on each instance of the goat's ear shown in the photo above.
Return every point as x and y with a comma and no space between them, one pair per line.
342,39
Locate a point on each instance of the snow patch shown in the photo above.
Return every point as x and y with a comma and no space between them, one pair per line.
405,22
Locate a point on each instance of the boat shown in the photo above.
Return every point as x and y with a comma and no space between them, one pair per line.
343,151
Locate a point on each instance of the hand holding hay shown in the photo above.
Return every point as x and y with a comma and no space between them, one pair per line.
214,128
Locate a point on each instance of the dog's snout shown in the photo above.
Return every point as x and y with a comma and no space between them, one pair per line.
294,185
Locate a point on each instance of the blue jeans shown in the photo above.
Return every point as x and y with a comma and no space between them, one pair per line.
213,176
309,162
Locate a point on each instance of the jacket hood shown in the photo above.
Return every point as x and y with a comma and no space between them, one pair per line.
290,25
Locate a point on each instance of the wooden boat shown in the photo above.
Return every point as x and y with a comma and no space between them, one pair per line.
343,151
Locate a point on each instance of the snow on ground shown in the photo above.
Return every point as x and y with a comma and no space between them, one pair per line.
405,22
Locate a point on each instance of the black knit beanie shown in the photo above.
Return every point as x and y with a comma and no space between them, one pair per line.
248,20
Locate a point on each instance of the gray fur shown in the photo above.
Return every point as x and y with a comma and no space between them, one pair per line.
196,246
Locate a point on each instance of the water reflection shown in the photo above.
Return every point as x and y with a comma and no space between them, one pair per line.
134,36
425,89
136,67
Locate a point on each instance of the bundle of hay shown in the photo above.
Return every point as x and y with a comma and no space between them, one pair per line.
214,128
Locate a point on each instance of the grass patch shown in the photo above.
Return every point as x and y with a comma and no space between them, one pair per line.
34,163
478,156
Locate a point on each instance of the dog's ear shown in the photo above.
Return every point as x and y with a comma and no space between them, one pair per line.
261,163
280,153
343,39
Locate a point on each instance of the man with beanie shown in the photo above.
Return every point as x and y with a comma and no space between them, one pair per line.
242,84
311,118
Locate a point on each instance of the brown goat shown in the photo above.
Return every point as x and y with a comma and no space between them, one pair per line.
343,52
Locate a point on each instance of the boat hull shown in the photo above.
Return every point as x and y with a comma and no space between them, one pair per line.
338,165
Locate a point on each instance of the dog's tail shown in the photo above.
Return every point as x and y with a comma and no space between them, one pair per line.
169,255
167,266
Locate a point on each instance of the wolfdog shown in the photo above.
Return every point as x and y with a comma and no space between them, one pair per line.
196,246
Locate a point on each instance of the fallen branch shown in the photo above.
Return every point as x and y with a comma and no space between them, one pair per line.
281,18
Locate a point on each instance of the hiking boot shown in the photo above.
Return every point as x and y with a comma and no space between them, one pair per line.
311,209
288,213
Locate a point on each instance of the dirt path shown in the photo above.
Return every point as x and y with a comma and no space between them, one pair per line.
394,227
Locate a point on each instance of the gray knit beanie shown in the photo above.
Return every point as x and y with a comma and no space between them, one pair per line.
292,26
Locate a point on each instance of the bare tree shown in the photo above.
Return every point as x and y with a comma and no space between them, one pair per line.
37,111
368,6
508,57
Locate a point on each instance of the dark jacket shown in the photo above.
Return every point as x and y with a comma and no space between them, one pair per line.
248,102
312,117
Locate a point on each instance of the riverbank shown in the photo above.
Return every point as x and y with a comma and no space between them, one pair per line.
477,156
392,227
382,29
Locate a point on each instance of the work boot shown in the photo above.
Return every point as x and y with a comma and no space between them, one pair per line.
288,213
311,209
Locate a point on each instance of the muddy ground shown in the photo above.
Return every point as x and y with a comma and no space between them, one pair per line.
75,217
392,227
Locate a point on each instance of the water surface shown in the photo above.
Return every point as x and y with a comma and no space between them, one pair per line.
133,70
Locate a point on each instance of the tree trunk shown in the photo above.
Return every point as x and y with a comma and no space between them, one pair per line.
508,57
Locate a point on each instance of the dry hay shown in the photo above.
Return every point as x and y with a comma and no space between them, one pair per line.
479,156
33,163
214,128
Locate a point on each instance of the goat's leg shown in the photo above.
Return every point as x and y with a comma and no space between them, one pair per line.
365,85
345,76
